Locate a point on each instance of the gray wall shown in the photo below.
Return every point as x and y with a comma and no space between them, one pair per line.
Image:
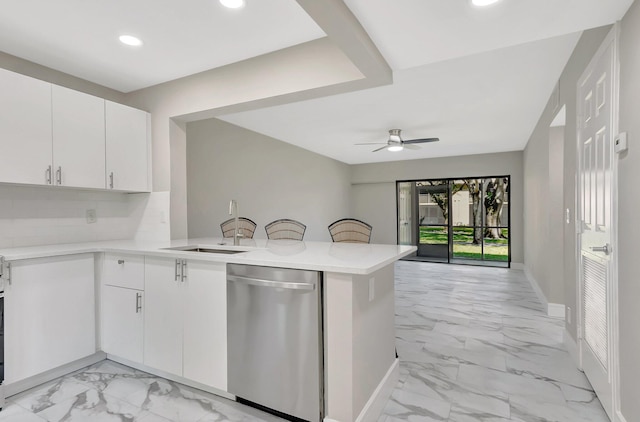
541,255
629,204
270,179
374,192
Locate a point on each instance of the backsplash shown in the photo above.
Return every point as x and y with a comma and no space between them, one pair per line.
32,216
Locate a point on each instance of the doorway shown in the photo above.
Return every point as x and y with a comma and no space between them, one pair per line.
456,220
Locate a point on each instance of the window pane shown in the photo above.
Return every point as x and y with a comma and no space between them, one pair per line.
434,235
463,243
496,244
496,201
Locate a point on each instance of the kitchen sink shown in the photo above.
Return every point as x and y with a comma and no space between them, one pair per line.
205,250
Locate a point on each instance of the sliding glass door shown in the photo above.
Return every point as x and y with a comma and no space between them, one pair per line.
462,220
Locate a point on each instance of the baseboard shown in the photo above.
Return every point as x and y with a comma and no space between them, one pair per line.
376,403
27,383
517,266
619,417
572,347
554,310
171,377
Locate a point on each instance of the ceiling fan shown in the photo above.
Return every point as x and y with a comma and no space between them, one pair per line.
396,143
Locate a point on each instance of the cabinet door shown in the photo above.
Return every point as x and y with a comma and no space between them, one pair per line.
127,148
49,314
78,139
163,316
122,322
25,129
205,324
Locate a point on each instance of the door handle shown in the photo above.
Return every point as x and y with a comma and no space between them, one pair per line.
177,273
183,272
48,175
606,249
138,303
111,180
271,283
59,175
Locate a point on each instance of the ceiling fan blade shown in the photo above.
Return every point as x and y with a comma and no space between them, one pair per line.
421,141
409,146
381,148
371,143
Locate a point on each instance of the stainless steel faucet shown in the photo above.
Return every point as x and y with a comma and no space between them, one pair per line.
233,211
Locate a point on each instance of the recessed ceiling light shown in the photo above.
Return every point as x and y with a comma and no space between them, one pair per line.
232,4
130,40
482,3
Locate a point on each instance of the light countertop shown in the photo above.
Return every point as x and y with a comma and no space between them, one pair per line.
350,258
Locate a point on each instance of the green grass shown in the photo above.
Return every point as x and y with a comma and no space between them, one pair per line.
463,247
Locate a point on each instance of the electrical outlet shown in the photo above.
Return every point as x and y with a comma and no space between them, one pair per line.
91,216
372,289
568,315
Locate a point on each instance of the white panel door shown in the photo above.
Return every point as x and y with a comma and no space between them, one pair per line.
122,322
49,314
596,109
78,139
25,129
127,148
163,316
205,324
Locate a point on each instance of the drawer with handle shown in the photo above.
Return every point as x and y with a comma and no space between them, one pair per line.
123,270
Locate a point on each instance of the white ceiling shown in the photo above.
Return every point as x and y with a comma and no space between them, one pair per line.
412,33
80,37
476,78
476,104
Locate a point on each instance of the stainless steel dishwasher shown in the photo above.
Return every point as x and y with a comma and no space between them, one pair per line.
275,348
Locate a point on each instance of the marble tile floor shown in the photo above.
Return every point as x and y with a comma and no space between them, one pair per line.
476,346
108,391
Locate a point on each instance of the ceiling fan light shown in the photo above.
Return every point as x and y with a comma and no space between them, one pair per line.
483,3
395,148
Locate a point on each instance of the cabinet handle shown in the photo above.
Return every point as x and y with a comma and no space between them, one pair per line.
7,276
121,261
177,269
138,302
48,175
59,175
184,270
111,180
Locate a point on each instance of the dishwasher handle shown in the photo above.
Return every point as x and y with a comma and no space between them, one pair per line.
271,283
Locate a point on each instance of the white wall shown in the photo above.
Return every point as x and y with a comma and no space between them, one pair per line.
628,206
541,252
374,191
270,179
31,216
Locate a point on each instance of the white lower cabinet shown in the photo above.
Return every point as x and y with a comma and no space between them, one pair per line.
122,322
49,314
163,315
185,322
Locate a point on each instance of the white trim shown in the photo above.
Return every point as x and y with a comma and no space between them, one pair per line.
536,287
171,377
572,347
372,410
619,417
50,375
554,310
517,266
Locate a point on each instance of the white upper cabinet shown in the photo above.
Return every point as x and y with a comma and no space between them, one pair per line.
51,135
25,129
127,148
78,139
